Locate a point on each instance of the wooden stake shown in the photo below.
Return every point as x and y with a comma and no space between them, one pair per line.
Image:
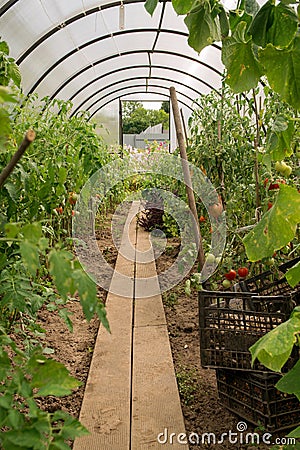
28,139
186,173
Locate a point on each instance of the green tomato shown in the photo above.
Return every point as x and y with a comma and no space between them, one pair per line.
210,258
226,284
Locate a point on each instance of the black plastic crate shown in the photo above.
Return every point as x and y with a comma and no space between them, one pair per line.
230,322
254,397
272,283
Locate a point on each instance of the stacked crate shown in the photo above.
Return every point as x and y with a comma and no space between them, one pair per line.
230,322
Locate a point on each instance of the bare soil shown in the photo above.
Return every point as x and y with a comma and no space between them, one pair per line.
203,412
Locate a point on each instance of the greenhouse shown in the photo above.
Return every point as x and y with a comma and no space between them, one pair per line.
149,224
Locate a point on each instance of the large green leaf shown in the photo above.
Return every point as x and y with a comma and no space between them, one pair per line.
243,69
87,290
293,275
150,6
60,269
203,27
274,24
274,349
50,377
25,438
282,67
280,138
295,434
182,6
277,227
290,382
30,256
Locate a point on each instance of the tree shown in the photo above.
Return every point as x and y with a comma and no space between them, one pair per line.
137,119
165,106
129,107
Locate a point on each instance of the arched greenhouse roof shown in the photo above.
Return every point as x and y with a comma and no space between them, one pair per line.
94,52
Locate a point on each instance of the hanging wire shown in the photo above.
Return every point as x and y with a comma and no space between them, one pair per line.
46,12
109,32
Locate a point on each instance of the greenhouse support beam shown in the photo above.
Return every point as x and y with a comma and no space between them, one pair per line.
28,139
186,173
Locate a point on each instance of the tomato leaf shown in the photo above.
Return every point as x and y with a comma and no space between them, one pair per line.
87,292
243,69
274,24
51,377
277,227
279,139
30,256
182,6
274,349
60,269
289,383
203,27
282,67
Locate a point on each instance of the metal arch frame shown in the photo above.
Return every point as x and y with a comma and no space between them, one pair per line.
107,58
136,66
128,79
165,52
144,92
11,3
79,16
119,97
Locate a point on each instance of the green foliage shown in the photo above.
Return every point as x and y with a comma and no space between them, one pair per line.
277,227
256,41
274,349
202,25
23,379
37,266
243,68
9,71
137,119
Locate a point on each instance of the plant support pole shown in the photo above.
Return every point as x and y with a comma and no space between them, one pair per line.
186,173
28,139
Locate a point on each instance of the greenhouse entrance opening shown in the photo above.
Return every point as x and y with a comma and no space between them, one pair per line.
145,124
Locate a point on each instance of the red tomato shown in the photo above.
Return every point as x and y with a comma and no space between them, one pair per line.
59,209
243,272
273,186
202,219
230,275
270,205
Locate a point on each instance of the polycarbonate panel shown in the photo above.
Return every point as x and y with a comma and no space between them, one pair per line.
107,83
104,93
107,121
182,100
79,83
86,51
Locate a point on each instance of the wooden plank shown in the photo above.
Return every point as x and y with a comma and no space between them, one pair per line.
106,405
156,403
